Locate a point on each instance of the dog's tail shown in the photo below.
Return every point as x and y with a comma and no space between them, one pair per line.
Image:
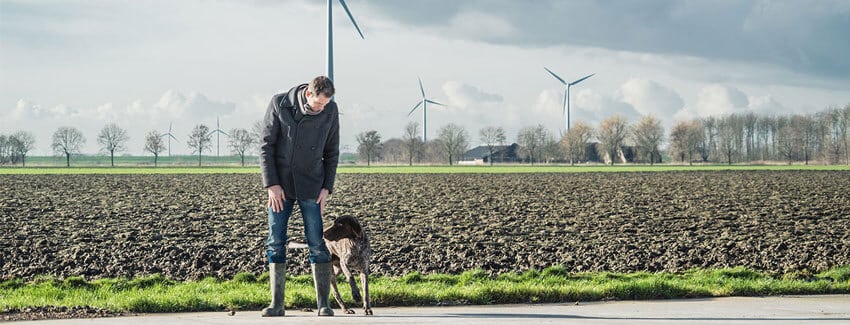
296,245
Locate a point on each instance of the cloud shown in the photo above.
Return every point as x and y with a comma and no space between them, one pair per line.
767,105
588,106
719,100
480,25
799,35
26,110
594,107
651,98
177,105
463,95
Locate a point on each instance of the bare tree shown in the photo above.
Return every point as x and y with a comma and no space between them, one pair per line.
5,149
67,140
551,151
648,136
729,137
369,145
393,150
413,141
708,148
845,135
575,142
807,130
612,135
241,141
199,140
154,144
530,139
22,142
433,152
492,136
112,138
679,140
455,141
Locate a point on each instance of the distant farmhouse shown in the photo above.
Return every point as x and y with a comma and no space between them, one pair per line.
511,154
501,154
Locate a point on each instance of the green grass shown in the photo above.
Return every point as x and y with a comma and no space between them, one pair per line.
356,169
555,284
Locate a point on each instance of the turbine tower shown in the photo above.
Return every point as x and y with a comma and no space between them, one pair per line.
330,66
169,136
424,102
567,93
218,136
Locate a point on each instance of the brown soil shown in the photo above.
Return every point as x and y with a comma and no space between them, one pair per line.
194,226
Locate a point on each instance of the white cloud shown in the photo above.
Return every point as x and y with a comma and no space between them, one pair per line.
719,100
463,95
26,110
651,98
480,25
105,112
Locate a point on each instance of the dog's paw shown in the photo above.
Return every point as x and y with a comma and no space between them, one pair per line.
349,311
367,311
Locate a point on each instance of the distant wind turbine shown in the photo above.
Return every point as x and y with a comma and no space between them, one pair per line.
330,66
218,137
567,92
169,136
424,102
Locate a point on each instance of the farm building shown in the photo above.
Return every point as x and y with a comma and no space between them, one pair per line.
508,154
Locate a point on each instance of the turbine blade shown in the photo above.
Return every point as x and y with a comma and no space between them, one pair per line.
415,107
344,6
580,80
556,76
172,136
225,133
422,89
433,102
565,102
169,126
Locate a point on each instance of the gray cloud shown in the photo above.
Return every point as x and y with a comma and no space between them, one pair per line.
463,95
804,36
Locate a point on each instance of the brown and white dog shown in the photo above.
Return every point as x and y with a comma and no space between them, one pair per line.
349,247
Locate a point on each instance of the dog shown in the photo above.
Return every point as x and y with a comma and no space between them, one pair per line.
349,247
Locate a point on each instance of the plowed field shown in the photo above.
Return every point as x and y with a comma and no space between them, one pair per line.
193,226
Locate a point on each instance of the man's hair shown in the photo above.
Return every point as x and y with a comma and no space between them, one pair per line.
321,85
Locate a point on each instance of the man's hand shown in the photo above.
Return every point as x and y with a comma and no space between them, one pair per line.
323,197
276,197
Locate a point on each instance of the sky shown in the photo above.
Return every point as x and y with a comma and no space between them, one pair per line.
148,64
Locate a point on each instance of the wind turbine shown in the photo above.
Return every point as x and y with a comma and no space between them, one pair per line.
218,136
330,66
567,91
169,136
424,102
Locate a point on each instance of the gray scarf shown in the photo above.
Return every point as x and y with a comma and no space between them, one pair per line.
303,107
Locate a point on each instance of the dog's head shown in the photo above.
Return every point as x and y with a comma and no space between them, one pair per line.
344,227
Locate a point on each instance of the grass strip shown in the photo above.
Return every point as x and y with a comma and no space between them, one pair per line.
246,291
499,169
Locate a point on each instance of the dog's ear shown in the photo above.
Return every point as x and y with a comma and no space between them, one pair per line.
355,226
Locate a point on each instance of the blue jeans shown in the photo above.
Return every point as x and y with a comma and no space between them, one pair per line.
311,213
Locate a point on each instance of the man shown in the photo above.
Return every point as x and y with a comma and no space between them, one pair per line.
299,152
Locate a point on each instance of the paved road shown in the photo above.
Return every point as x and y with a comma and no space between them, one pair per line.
827,309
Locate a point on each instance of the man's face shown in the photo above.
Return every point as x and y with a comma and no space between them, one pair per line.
317,101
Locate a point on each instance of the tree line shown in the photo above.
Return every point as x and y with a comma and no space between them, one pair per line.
112,139
734,138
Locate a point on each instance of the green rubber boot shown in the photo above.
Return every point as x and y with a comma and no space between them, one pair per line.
322,281
277,279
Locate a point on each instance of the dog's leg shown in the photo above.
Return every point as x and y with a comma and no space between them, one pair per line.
355,292
364,281
336,295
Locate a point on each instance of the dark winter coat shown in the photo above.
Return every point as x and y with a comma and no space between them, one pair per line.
299,156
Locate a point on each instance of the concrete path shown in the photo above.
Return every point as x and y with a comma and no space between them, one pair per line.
826,309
